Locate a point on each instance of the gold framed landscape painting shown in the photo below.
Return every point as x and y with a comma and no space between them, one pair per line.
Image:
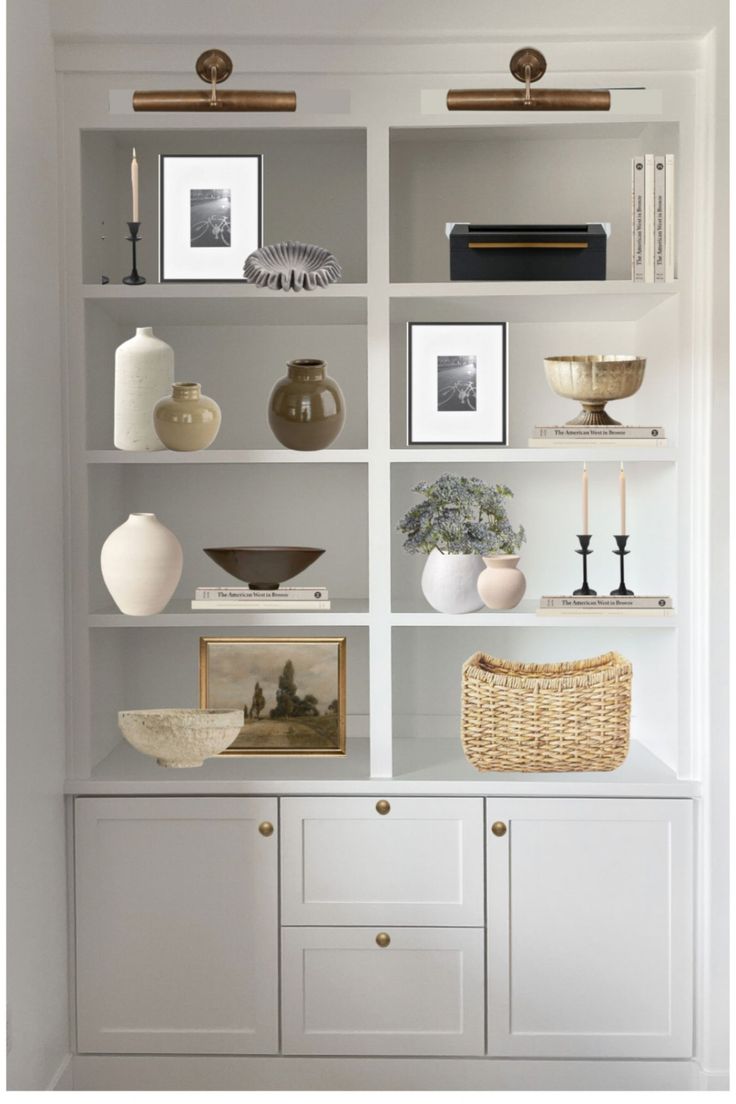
291,691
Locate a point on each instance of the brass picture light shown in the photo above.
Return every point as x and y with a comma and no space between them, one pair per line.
528,65
214,67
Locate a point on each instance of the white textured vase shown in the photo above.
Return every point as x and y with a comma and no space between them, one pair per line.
502,584
144,373
141,564
450,581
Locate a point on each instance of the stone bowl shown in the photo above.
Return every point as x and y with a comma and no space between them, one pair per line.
292,266
180,737
594,380
264,568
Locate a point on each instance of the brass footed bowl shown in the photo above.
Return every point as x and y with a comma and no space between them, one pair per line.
594,381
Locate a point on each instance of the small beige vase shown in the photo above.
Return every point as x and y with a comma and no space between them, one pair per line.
502,584
188,421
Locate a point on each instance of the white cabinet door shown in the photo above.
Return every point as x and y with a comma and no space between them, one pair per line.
423,993
590,928
177,925
346,862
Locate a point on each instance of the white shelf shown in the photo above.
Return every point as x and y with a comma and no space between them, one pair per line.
230,456
576,454
524,616
190,304
532,301
179,614
435,765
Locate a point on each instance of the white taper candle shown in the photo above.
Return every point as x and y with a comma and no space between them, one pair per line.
134,185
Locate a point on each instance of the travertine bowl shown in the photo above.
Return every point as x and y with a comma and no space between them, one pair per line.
180,737
594,380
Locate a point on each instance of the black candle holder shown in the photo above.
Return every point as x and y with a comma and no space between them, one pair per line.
621,551
134,277
584,551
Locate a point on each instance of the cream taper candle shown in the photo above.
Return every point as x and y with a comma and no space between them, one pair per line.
585,528
622,498
134,185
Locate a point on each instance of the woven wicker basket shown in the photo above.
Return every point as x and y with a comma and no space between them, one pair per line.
546,716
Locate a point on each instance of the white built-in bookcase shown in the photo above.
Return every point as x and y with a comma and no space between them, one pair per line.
376,181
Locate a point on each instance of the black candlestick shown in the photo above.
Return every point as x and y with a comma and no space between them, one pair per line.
621,552
134,278
584,551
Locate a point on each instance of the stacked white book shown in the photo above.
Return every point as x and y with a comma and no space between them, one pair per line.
646,605
243,598
559,436
653,218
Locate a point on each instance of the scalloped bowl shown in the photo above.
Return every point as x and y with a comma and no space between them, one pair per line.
180,737
264,568
594,380
292,266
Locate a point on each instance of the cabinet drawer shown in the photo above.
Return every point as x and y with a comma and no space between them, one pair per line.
343,993
344,861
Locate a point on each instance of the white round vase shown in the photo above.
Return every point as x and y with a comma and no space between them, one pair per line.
450,581
141,564
144,373
501,585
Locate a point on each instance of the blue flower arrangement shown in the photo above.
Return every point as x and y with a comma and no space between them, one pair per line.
461,515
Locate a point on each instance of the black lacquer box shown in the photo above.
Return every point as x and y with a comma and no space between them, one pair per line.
479,251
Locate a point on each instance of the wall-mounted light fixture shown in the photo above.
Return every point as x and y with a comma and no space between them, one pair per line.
528,65
214,67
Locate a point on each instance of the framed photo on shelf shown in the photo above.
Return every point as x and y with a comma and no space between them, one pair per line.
457,383
210,215
291,691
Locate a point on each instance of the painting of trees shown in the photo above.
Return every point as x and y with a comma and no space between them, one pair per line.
258,704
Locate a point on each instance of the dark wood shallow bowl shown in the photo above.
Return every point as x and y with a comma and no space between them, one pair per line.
264,568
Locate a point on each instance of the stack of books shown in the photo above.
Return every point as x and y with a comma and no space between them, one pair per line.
242,598
653,218
559,436
647,605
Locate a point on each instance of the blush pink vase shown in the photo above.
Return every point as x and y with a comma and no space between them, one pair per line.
502,584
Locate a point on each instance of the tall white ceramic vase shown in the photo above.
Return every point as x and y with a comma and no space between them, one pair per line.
144,373
450,581
141,564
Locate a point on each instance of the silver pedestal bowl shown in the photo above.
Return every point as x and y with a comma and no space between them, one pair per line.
593,381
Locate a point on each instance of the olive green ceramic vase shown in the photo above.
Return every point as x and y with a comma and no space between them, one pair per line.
307,409
188,421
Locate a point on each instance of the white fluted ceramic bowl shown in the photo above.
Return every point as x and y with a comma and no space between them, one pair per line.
180,737
292,266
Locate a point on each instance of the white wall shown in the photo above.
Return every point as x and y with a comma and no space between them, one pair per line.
37,911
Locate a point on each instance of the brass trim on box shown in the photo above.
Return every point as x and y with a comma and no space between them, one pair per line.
527,245
528,65
214,67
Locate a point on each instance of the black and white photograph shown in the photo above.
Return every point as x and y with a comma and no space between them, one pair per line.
457,383
209,213
456,389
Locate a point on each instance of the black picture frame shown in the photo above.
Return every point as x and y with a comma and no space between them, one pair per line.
503,440
163,157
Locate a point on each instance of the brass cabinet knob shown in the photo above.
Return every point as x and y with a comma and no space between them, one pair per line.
498,828
266,828
383,807
383,939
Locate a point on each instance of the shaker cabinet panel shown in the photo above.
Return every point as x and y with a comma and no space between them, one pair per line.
420,993
359,860
590,928
177,925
